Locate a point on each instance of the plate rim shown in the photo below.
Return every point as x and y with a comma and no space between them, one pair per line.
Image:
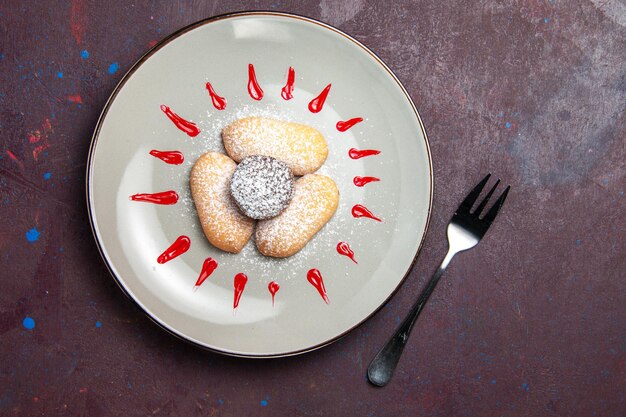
94,140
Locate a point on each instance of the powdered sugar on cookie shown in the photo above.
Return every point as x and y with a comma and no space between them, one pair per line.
262,186
315,201
223,224
301,147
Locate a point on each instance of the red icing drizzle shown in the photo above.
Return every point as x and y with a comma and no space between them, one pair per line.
287,91
315,106
315,278
360,211
273,287
344,249
180,246
218,102
254,89
240,283
361,181
208,267
165,197
186,126
343,126
356,154
169,157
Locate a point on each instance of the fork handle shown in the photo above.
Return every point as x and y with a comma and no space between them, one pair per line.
382,366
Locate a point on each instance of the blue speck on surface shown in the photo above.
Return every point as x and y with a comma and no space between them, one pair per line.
501,114
60,74
28,323
578,242
263,403
84,54
486,358
508,125
525,387
113,68
220,402
98,324
493,381
546,20
32,235
47,175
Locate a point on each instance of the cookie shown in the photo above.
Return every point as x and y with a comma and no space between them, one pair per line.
301,147
261,186
223,224
314,202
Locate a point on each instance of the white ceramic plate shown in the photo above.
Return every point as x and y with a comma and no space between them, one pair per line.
131,235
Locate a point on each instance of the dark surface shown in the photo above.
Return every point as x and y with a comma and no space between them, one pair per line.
530,323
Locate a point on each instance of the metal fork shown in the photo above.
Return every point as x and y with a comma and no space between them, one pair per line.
465,230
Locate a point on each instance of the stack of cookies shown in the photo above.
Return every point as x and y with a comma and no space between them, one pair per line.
268,177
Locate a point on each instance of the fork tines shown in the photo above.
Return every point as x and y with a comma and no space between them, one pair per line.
471,198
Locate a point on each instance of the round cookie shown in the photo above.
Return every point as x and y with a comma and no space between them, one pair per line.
301,147
223,224
314,202
261,186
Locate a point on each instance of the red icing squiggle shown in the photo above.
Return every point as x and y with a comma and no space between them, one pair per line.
273,287
186,126
218,101
343,126
169,157
361,181
208,267
254,89
361,211
356,154
344,249
287,91
240,283
315,279
180,246
164,197
315,106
